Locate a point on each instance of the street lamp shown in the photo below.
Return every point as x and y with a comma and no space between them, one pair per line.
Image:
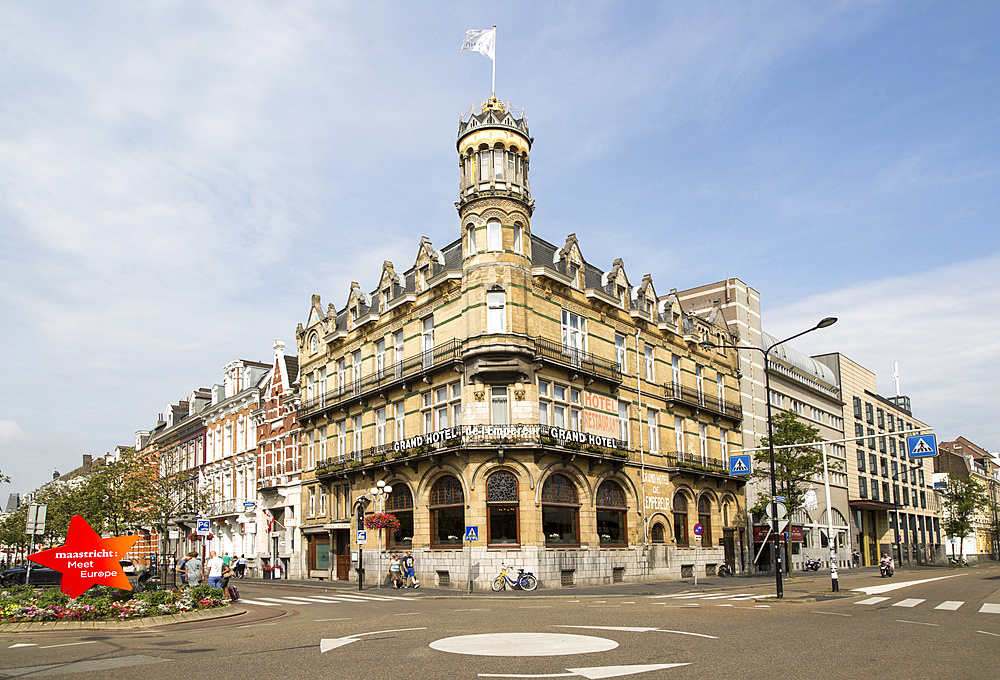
708,344
380,492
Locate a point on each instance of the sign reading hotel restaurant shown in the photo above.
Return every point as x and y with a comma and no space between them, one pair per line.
600,415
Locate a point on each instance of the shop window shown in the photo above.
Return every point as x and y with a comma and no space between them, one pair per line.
502,509
447,508
560,512
611,509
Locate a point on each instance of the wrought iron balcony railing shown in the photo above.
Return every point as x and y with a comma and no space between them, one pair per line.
705,402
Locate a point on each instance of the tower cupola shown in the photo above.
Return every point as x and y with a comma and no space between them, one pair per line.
493,149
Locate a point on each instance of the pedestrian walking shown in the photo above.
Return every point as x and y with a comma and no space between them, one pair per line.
215,566
241,566
193,571
409,573
394,572
182,569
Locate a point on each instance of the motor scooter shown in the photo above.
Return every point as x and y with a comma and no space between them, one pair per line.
885,568
811,564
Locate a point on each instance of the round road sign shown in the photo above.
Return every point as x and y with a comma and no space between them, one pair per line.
698,529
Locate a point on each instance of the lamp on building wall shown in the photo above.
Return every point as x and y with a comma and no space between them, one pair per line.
380,492
708,344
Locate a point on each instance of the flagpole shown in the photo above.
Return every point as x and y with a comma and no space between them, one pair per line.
494,85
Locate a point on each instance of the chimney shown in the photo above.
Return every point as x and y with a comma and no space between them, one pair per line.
55,474
88,463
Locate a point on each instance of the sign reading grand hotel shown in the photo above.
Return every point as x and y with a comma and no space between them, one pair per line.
505,434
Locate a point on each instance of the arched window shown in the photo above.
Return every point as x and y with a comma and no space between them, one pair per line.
471,230
681,520
447,506
313,343
658,534
560,512
705,520
400,504
502,509
494,235
611,508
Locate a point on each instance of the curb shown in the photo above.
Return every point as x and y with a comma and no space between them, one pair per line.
126,624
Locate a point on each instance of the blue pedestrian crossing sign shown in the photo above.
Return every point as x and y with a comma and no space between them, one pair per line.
471,534
921,445
740,465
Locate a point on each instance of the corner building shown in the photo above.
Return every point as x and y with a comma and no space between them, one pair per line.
503,382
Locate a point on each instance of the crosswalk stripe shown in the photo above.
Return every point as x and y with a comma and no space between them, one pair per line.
744,597
873,600
274,599
990,609
950,605
362,598
303,599
722,596
909,602
256,602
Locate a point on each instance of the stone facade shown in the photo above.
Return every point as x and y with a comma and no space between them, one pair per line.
505,383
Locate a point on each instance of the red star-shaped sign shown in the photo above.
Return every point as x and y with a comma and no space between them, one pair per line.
87,559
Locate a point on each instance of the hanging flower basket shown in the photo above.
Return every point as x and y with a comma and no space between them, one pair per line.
382,520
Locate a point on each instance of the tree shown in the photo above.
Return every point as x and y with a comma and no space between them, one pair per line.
171,491
961,500
794,468
114,496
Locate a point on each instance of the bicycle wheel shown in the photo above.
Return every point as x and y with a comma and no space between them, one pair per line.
528,582
499,583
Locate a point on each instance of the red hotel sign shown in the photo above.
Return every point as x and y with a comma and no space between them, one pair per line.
87,559
796,533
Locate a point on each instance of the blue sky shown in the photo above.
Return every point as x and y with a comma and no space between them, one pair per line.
177,178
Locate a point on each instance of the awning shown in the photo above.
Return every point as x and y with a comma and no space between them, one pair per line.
871,505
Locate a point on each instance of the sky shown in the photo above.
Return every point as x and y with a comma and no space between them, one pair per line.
178,178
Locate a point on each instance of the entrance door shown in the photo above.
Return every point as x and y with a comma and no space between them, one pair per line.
729,546
342,539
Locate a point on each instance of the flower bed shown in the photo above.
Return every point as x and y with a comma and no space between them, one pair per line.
20,604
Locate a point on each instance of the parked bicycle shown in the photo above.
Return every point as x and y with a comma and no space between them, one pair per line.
524,580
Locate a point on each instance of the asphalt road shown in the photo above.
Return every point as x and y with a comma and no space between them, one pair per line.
922,623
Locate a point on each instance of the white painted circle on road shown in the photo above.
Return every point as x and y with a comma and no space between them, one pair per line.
523,644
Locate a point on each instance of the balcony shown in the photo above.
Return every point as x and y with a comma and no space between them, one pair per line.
682,461
540,440
576,360
699,401
377,382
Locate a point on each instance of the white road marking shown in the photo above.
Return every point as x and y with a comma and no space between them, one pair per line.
726,596
990,609
469,610
628,629
310,600
988,633
251,625
258,603
950,605
919,623
408,614
23,644
523,644
887,587
70,644
345,618
873,600
593,672
274,599
684,632
833,613
909,602
326,644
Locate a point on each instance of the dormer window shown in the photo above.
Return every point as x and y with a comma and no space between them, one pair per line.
621,296
574,276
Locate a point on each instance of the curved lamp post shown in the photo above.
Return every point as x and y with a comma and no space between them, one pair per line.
380,492
708,344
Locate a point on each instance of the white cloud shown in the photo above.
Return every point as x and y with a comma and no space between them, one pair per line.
941,326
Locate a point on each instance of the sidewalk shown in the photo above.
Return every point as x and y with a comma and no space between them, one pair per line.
799,584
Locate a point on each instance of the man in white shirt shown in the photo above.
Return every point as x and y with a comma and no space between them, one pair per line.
215,566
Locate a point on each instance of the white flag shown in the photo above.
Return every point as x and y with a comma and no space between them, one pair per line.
480,40
809,501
